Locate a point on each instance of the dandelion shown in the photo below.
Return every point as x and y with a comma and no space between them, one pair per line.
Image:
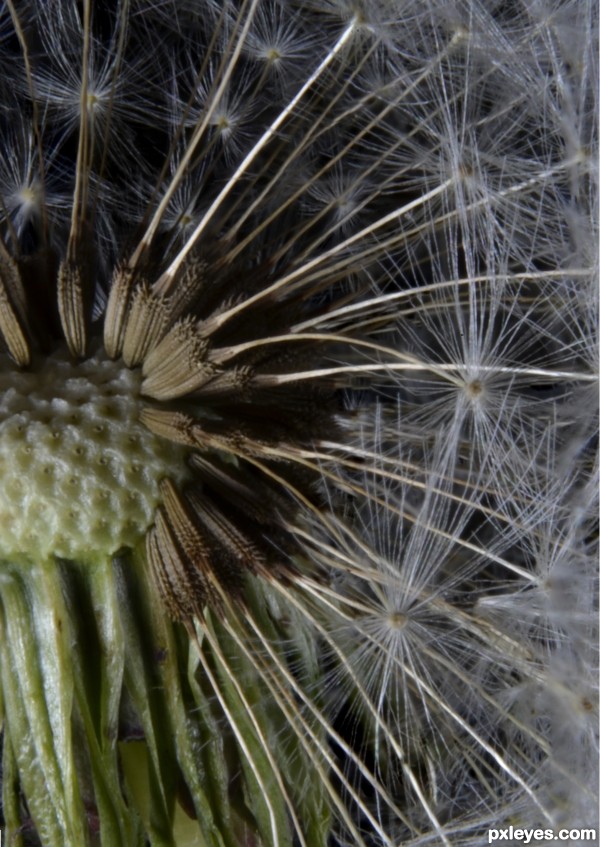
297,422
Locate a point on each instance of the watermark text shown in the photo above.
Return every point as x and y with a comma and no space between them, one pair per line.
528,835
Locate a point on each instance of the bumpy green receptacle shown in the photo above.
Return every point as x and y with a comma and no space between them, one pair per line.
79,473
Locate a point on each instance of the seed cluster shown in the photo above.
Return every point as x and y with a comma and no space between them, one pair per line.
80,474
298,294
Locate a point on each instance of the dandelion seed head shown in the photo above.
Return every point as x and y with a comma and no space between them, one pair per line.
296,347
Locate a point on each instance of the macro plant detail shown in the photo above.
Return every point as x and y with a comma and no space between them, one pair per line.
298,421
